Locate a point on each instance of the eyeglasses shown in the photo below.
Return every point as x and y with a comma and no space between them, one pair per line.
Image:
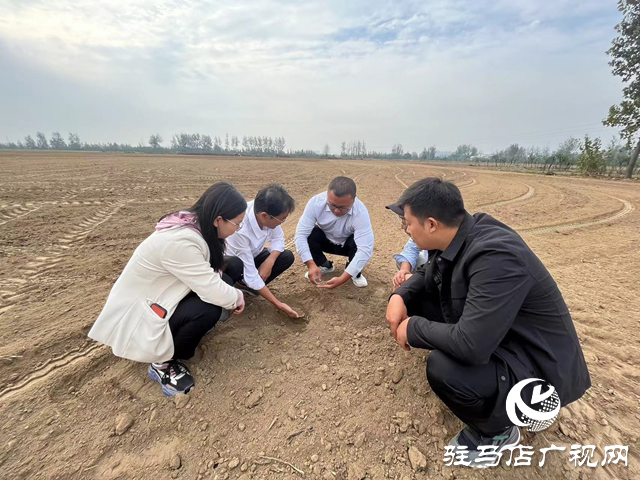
277,219
336,207
237,225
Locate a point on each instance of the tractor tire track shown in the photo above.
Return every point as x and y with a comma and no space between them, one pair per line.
400,181
627,208
41,373
13,290
18,211
526,196
164,200
470,184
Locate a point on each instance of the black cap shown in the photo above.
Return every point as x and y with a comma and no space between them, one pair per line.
396,208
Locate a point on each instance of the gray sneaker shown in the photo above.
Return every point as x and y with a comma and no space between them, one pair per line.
225,316
327,268
249,291
473,441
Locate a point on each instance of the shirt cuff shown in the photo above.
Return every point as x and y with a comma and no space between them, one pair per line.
352,269
398,257
254,283
305,256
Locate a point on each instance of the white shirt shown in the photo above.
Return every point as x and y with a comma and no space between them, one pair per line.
356,222
164,269
249,241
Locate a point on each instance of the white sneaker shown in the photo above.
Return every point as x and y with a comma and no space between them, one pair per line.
306,275
360,281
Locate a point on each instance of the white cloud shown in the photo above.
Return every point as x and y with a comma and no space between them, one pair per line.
441,72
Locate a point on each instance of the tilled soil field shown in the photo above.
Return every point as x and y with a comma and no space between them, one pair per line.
329,396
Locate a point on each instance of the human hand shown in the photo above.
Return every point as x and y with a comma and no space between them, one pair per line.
288,310
400,277
396,313
333,283
239,303
315,274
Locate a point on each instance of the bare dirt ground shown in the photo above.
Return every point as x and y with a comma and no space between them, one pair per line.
331,395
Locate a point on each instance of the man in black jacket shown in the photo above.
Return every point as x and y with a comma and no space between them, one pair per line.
488,310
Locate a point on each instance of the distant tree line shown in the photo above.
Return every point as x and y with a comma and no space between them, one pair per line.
358,149
587,156
192,143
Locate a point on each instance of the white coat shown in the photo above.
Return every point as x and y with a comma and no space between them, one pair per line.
163,269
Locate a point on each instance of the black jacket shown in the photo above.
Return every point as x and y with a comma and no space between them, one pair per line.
497,298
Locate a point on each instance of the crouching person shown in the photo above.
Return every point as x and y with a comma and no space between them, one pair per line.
490,313
174,289
411,256
264,216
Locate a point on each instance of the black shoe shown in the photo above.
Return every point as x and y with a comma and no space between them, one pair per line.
472,440
173,376
249,291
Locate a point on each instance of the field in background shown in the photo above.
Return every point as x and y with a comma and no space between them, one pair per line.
331,394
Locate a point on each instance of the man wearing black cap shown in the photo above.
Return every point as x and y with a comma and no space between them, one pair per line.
488,310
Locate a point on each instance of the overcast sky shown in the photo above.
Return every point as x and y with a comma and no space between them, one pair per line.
434,72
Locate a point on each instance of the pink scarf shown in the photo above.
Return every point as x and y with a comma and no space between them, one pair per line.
180,219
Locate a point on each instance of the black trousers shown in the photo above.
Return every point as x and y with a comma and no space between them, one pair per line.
282,263
319,244
193,317
476,394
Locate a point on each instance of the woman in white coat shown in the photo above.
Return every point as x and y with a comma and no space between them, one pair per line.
177,285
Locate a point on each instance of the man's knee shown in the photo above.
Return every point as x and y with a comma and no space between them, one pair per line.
440,368
286,259
316,235
234,268
350,246
210,317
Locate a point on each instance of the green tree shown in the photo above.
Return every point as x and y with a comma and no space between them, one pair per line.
207,143
57,142
74,141
155,140
591,159
29,142
465,152
41,141
625,63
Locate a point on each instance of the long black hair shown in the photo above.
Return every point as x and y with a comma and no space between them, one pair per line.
220,200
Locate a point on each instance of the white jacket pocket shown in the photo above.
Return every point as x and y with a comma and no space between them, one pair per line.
151,341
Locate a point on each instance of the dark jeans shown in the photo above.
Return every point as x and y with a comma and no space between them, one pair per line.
282,263
476,394
319,244
193,317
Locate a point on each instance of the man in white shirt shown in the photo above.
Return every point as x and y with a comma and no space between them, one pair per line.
263,218
338,223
